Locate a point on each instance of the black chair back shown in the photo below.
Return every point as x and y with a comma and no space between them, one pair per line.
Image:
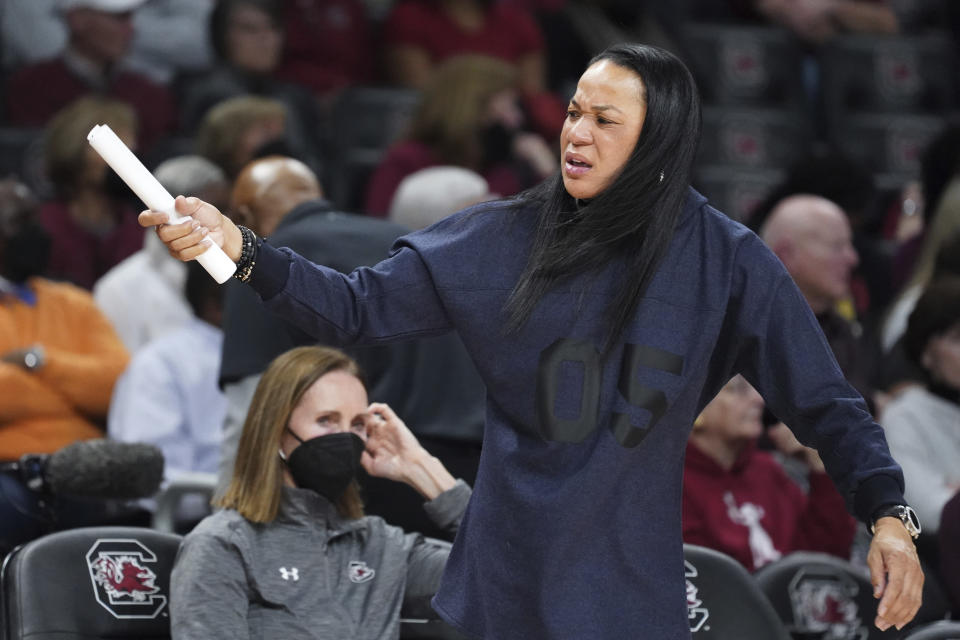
944,630
93,582
723,600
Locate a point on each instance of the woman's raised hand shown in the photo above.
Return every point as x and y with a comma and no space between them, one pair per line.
188,239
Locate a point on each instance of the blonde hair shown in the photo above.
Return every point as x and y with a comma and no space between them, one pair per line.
65,146
222,131
255,487
946,222
449,116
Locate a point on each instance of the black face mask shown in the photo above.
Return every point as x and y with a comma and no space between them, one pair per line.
25,254
327,464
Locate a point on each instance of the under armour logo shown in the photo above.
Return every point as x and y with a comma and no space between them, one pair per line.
289,574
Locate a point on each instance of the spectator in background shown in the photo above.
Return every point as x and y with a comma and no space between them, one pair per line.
419,35
431,381
944,224
328,45
468,117
59,356
738,500
170,38
291,552
247,37
899,370
99,36
939,165
92,219
432,194
923,424
233,131
143,296
811,236
168,396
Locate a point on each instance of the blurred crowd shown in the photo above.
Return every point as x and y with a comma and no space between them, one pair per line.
336,126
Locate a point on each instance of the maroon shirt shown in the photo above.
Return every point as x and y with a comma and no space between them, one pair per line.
38,91
327,44
81,256
793,520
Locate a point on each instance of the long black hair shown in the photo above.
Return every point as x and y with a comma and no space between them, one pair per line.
634,218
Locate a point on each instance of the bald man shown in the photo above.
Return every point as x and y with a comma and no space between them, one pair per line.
432,384
267,189
812,237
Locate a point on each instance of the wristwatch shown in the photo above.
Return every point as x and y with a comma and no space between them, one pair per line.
902,512
33,358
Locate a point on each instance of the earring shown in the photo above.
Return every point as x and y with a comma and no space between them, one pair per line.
661,176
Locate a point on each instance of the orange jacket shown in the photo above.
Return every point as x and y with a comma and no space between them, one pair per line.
67,398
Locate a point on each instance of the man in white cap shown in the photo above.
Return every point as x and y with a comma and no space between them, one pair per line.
99,33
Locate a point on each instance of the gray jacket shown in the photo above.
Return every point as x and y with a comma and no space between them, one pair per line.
308,574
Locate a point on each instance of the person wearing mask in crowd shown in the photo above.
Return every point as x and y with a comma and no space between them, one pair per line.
59,356
168,396
468,117
59,359
234,131
739,500
247,37
811,236
291,553
603,309
144,294
923,423
99,36
431,381
91,219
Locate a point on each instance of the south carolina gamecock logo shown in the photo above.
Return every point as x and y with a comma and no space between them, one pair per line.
122,581
825,603
697,613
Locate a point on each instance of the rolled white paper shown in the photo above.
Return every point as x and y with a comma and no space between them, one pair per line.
151,192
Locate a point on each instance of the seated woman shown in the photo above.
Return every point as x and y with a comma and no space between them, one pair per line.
291,554
740,501
922,423
468,117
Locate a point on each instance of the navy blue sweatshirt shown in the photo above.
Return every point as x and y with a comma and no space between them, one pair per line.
574,530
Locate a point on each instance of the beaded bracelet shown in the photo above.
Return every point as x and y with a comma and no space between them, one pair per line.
248,254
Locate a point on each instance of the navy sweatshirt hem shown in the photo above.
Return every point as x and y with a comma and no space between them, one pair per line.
874,492
270,273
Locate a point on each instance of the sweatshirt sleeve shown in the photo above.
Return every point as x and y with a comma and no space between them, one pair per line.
784,354
393,300
208,590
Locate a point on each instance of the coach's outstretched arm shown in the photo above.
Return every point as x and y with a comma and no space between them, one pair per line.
190,238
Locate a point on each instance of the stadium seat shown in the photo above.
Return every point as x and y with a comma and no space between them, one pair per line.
943,630
366,121
736,191
743,65
891,74
821,596
89,583
753,137
723,600
198,487
888,143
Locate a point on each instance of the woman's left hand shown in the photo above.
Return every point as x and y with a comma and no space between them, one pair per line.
391,447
